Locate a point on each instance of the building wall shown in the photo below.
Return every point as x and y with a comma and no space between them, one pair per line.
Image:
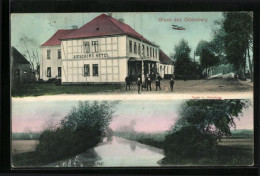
154,49
24,73
110,58
165,69
53,62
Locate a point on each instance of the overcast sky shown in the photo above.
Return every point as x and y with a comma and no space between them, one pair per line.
147,115
41,26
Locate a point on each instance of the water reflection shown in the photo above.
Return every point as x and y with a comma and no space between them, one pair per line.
115,152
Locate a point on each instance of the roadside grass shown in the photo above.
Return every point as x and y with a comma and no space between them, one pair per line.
51,89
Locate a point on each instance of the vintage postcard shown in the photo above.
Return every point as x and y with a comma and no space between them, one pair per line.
132,89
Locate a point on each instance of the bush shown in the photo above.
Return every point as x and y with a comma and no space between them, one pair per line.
82,129
188,141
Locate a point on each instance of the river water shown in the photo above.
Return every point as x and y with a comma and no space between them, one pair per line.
117,152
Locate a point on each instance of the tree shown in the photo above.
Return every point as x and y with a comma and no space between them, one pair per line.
200,125
184,67
83,128
207,56
238,39
30,51
214,117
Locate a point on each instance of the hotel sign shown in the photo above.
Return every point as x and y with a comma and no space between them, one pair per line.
92,55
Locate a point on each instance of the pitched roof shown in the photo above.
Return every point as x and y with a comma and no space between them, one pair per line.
164,59
18,57
104,25
55,39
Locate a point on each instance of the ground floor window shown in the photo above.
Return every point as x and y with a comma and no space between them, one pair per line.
86,70
48,71
95,69
59,71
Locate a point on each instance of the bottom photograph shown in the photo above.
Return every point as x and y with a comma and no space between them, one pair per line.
132,133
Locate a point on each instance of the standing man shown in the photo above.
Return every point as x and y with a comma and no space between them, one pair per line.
139,83
127,82
171,84
158,81
148,82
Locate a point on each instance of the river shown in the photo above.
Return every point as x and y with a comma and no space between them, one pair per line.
117,152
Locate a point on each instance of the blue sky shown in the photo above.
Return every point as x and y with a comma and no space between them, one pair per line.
41,26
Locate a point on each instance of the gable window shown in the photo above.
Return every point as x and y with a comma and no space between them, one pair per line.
86,70
130,46
135,47
139,49
59,71
95,69
86,47
95,46
59,54
48,71
48,54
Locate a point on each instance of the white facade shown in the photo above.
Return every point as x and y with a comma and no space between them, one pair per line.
51,62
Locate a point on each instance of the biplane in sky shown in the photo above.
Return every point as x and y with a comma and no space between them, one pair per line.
176,27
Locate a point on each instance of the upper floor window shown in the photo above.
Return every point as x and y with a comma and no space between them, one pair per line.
147,52
139,48
48,54
59,54
130,46
95,46
143,49
135,47
86,47
155,53
151,52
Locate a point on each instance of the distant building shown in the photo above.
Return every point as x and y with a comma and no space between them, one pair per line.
20,67
104,50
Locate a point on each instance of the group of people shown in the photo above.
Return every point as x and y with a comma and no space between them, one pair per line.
147,83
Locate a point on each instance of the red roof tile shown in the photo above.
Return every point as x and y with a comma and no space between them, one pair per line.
104,25
164,59
55,39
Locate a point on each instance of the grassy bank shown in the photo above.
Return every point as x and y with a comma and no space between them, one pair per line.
52,89
235,150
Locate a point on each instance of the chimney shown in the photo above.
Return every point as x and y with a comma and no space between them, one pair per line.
74,27
109,14
121,20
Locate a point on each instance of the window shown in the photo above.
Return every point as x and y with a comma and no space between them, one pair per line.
59,71
48,54
48,71
153,52
59,54
95,46
130,46
135,47
86,70
95,69
147,51
143,49
86,47
139,49
150,51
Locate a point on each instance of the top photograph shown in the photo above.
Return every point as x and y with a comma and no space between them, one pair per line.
131,53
